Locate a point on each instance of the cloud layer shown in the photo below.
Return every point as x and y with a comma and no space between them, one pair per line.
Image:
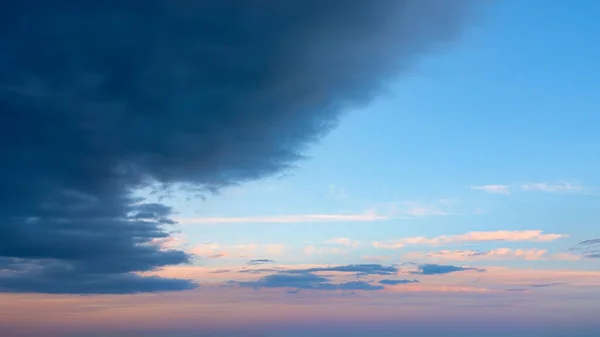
122,95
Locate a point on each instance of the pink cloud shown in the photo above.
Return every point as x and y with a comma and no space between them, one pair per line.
477,236
494,254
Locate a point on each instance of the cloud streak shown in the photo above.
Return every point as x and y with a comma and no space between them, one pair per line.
296,218
471,237
530,187
589,249
532,254
493,189
438,269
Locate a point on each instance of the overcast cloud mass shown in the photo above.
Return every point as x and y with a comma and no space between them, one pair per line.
100,98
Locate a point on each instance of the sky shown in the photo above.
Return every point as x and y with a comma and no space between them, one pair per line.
269,169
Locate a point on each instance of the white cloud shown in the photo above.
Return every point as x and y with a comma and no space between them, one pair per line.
539,186
478,236
343,241
421,211
369,215
493,189
545,187
314,250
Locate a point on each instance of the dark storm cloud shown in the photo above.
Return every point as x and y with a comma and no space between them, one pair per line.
306,281
588,249
437,269
100,98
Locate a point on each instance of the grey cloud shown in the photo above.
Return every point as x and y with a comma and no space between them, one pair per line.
259,261
359,269
258,271
588,249
544,285
395,282
122,95
306,281
217,256
436,269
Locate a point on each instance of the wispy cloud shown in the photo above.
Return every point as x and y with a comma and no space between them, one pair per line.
396,282
216,251
422,211
307,281
588,249
493,189
478,236
376,258
546,187
343,241
369,215
259,262
531,187
337,193
494,254
438,269
419,209
314,250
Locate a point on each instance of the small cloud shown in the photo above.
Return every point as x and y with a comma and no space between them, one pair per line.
359,269
551,188
337,193
215,251
493,189
437,269
544,285
343,241
306,280
259,261
376,258
314,250
423,211
396,282
517,289
258,271
274,249
218,256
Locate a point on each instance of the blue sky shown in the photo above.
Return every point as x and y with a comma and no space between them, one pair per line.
513,104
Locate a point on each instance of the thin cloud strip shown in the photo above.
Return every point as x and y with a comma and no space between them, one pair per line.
530,187
533,254
476,236
493,189
297,218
